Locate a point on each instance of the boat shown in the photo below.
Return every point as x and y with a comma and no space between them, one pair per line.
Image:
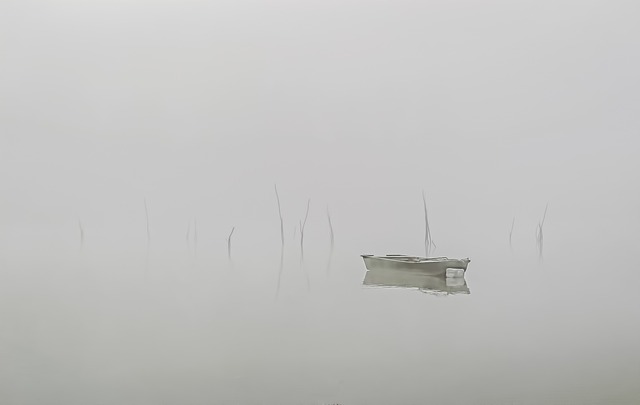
432,266
402,278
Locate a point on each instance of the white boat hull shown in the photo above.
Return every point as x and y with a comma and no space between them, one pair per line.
433,266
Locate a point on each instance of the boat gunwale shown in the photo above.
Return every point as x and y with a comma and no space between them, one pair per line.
412,259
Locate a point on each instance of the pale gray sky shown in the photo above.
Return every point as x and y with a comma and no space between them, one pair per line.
197,104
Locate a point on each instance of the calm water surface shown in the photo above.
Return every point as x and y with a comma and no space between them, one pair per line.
158,328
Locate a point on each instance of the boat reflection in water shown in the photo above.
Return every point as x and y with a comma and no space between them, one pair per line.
436,285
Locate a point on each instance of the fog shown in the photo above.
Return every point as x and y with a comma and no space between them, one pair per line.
135,135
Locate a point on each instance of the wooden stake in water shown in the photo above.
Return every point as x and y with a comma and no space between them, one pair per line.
302,226
539,233
428,241
330,227
275,187
280,271
280,214
332,241
511,231
229,242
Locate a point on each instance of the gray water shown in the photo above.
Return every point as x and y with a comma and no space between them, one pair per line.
135,136
179,323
